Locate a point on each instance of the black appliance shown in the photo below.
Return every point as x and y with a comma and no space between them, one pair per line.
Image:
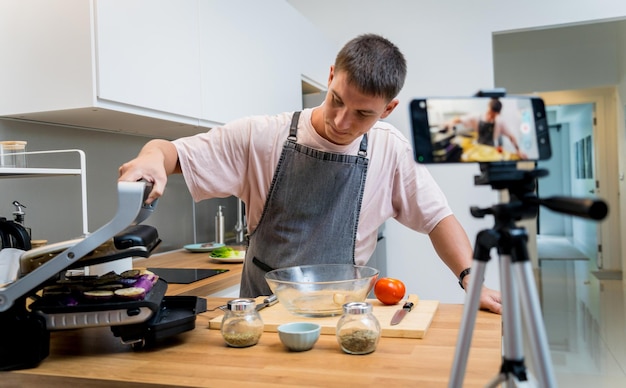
13,235
26,317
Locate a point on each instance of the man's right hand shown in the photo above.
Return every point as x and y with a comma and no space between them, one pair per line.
157,160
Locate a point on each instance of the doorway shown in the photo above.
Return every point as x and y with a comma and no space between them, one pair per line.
601,101
571,174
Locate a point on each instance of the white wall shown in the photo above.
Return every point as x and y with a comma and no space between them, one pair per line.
448,46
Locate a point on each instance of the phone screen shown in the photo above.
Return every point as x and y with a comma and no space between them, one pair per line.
479,129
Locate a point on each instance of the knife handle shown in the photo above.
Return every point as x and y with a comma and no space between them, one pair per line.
413,299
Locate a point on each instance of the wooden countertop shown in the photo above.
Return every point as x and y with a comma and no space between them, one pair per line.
199,358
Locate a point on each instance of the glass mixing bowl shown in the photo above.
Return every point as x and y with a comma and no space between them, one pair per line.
321,290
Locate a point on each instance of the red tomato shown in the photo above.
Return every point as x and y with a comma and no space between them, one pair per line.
389,291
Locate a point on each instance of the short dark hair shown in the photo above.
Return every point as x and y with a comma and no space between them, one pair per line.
374,64
495,105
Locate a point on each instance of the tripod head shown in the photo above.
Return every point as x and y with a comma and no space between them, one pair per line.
524,202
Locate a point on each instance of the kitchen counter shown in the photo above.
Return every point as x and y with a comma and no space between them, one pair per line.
95,358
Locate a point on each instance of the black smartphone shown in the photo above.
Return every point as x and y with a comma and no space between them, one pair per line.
479,129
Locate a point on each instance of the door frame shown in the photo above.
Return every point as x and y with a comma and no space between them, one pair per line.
558,181
605,136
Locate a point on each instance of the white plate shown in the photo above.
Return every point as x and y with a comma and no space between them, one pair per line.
239,259
204,247
228,259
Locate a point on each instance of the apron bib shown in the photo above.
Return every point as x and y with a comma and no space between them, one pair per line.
485,132
311,213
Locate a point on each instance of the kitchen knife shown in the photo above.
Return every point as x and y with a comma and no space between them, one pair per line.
269,301
406,308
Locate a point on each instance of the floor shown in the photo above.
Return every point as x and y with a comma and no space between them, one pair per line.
585,320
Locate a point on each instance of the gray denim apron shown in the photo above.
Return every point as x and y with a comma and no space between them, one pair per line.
311,213
485,132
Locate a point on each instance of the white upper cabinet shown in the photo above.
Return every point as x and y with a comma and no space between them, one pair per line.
161,68
130,66
47,62
147,54
248,67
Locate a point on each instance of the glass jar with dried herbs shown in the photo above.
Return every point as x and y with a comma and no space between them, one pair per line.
358,330
242,325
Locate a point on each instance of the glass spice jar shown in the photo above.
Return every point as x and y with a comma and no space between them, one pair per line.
242,325
358,330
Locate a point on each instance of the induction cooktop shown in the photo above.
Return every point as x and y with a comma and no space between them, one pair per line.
185,275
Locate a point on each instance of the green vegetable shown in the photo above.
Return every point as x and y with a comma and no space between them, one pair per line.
223,252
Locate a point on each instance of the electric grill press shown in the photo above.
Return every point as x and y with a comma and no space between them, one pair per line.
25,328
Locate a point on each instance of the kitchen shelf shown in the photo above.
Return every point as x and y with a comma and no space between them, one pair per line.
34,172
12,172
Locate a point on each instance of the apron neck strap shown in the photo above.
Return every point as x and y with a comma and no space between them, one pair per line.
363,146
293,128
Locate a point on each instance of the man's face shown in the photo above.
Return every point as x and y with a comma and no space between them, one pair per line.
348,113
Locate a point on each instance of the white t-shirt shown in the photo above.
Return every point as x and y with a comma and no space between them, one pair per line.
240,158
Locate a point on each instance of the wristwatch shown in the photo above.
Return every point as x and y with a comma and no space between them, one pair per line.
463,274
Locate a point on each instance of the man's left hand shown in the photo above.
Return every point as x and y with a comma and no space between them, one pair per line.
491,300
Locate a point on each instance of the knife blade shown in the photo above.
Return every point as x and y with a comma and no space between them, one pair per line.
269,301
406,308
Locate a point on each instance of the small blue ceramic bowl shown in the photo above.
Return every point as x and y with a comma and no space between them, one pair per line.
299,336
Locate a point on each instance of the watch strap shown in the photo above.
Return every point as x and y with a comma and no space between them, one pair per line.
462,275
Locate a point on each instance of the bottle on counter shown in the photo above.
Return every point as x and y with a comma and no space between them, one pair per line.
242,325
358,330
219,226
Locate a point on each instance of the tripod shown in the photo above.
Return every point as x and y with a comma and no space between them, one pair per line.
516,277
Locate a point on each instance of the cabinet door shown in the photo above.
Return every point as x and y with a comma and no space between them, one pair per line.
249,58
46,55
147,55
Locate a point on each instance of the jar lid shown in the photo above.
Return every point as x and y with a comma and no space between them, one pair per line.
357,308
241,305
13,144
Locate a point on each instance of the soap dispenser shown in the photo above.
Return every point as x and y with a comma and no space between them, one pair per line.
219,226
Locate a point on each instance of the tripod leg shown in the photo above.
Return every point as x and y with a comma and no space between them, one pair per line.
534,324
464,339
512,343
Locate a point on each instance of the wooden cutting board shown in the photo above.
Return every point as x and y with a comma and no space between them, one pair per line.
414,325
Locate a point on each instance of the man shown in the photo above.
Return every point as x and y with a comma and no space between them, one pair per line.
318,184
490,128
